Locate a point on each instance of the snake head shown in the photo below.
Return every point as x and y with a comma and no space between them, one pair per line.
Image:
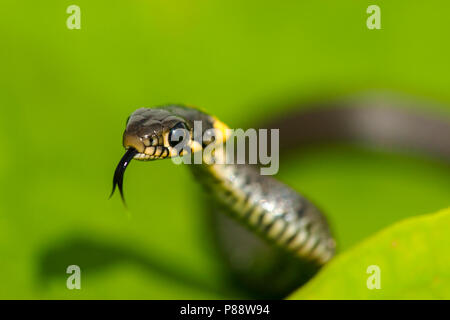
151,134
154,133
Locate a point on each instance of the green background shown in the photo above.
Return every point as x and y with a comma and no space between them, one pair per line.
65,96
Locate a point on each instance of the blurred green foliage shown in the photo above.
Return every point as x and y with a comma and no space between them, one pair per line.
410,258
65,96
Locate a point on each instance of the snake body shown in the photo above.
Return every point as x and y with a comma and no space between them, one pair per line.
271,209
279,215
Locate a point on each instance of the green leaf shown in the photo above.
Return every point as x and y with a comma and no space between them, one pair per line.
413,257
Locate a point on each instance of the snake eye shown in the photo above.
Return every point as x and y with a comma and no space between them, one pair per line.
178,133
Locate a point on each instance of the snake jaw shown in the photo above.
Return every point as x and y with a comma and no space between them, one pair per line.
154,153
152,146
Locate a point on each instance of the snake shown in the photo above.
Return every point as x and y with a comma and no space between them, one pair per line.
260,219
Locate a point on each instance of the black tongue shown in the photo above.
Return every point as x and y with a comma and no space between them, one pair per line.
120,170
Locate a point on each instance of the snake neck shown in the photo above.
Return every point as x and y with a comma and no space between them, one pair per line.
273,210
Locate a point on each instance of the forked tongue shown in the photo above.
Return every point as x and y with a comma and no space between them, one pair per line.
120,170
